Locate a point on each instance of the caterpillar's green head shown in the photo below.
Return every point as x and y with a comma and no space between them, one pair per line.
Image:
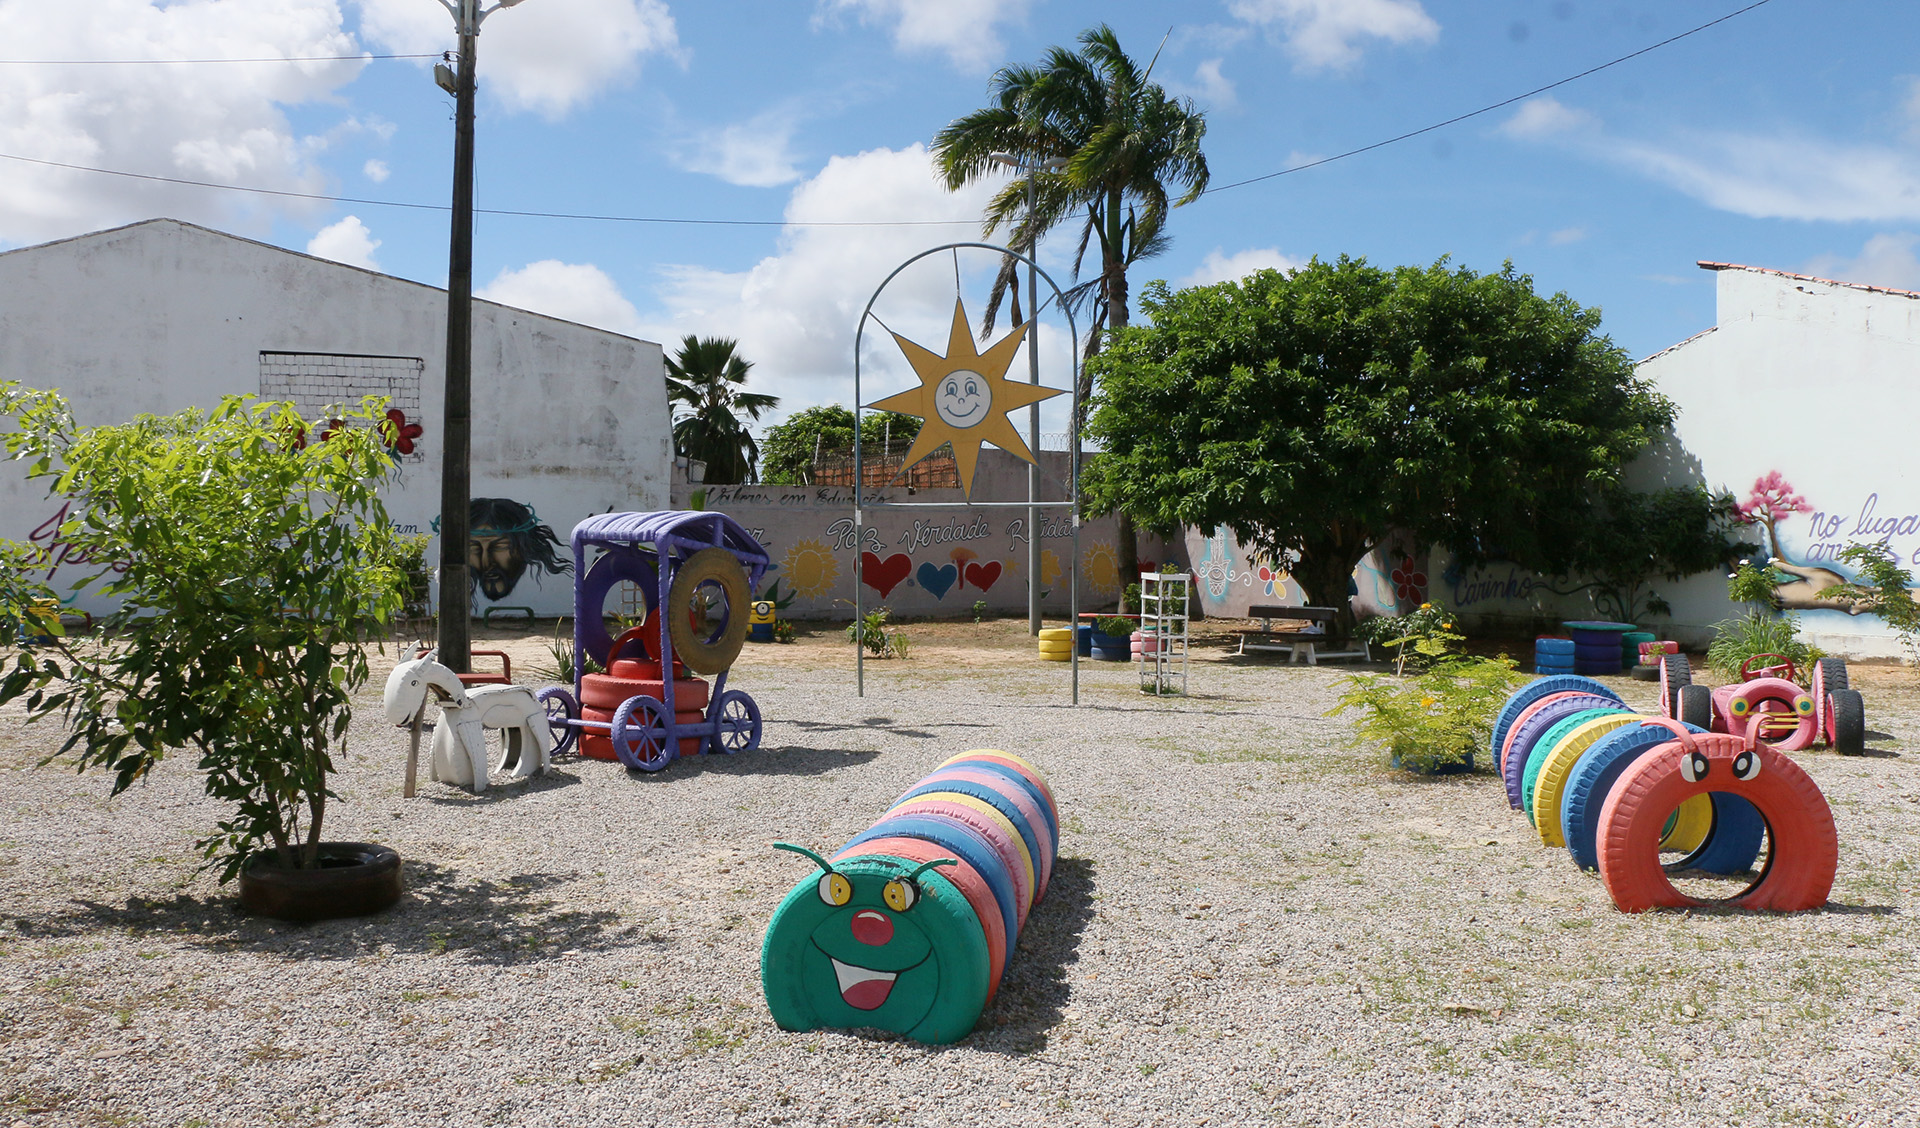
875,941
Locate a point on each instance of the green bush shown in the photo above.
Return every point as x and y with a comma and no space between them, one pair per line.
1114,626
1438,719
871,632
1430,623
250,563
1738,639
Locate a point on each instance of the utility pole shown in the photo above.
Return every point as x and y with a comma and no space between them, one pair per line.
456,430
1054,164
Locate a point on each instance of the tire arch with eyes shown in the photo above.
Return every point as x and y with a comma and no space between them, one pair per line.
1805,855
909,926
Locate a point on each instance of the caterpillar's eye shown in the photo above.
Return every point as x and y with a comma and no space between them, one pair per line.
1741,707
835,890
1693,767
1746,765
1803,705
900,895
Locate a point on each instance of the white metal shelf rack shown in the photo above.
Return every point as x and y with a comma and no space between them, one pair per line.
1164,598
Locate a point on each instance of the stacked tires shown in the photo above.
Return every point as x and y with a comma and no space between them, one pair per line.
909,927
1615,788
1552,655
1056,644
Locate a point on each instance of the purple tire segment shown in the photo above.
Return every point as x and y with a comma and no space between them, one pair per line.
1520,744
1534,691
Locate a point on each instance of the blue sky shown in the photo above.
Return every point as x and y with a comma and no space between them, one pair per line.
1788,137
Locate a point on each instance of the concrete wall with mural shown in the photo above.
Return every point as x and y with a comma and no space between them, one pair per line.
933,562
162,315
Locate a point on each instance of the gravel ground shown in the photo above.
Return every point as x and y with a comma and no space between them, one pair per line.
1250,922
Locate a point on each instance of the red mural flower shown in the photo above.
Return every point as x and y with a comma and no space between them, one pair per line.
399,434
1771,499
1409,583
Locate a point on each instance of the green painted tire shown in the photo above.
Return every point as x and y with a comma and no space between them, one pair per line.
820,966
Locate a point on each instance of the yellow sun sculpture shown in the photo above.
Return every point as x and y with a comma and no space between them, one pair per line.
965,397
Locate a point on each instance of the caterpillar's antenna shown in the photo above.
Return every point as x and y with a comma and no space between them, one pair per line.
915,875
817,859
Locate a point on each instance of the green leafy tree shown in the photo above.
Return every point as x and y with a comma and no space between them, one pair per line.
707,378
1127,146
1634,537
1315,412
787,452
249,565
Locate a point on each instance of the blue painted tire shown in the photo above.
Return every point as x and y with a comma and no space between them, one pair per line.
1122,653
1534,691
1527,734
966,844
1733,844
1550,670
1553,646
1039,797
1546,744
1594,774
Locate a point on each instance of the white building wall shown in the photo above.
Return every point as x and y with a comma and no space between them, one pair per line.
164,315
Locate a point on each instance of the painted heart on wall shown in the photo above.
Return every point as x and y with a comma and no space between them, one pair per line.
983,576
884,575
936,581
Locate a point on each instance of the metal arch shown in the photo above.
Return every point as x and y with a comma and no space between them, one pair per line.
1073,455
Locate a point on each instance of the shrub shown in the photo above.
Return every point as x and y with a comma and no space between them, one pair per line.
1114,626
1437,719
871,632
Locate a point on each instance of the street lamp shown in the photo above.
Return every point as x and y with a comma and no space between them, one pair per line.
1023,164
456,433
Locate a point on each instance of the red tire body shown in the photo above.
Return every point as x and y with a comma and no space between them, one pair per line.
1010,851
972,886
596,744
1806,847
604,691
1747,701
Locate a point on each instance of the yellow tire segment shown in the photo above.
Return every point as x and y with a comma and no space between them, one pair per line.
1551,787
1692,827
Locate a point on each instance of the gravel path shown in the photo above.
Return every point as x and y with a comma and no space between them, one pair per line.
1250,923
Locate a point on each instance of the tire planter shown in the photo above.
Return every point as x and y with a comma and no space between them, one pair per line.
1117,653
1806,849
353,879
908,928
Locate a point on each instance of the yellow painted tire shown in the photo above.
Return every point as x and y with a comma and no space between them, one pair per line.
1063,656
1055,647
712,655
1056,634
1691,828
1551,787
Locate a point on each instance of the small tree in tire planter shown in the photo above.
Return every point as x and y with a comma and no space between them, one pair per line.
251,557
1433,723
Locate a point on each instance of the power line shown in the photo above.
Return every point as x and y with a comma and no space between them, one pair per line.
324,198
1489,109
200,62
589,217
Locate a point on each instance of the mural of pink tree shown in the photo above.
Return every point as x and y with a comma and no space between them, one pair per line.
1771,500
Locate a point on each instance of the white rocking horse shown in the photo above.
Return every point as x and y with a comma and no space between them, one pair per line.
460,737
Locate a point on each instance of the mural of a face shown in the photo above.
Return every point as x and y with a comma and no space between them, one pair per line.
875,941
963,398
495,561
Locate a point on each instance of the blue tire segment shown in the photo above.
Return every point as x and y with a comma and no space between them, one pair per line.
1594,774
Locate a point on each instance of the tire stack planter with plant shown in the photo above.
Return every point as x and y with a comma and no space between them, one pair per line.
1110,635
273,635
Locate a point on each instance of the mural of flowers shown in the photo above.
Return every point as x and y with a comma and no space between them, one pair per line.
811,569
1409,582
400,434
1102,568
1049,567
1264,575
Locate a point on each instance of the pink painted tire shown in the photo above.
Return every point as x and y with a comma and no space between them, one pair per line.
1806,848
1746,707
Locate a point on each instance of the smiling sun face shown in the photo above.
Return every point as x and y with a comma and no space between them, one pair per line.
964,397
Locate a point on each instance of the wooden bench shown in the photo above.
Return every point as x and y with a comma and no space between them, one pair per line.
1305,643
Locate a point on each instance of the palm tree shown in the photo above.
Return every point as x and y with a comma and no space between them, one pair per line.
706,377
1125,142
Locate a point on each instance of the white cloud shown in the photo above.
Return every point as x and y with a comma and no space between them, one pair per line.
1546,117
1325,34
1209,86
794,312
1566,235
963,30
376,171
1220,267
578,292
218,122
347,241
1887,259
549,56
1764,176
756,153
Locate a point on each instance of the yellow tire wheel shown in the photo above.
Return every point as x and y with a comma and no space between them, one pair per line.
1692,822
1063,656
1055,647
1552,785
1056,634
709,577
